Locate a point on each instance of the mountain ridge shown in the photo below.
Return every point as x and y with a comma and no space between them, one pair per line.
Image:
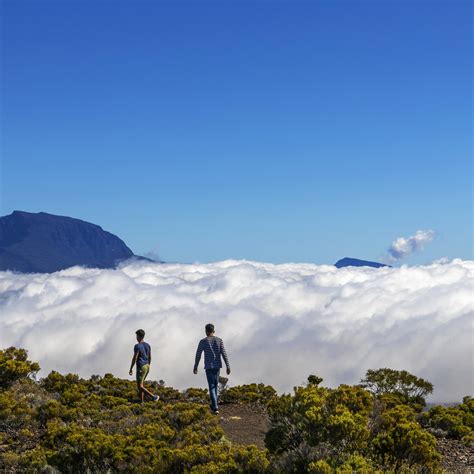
45,243
355,262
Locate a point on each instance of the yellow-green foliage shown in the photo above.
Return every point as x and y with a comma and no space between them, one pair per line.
97,425
198,395
345,429
400,440
319,467
455,422
397,387
14,365
249,393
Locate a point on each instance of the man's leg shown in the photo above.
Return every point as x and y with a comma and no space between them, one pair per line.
140,394
141,376
212,380
216,384
140,383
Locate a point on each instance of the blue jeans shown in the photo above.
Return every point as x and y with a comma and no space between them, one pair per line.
213,379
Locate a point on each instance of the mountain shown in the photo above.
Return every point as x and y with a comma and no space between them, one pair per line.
355,262
45,243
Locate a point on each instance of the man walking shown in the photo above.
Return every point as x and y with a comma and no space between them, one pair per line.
142,357
213,348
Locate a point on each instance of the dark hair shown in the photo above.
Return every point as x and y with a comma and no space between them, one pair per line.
140,333
209,328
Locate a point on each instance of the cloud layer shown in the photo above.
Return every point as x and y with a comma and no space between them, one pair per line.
405,246
280,323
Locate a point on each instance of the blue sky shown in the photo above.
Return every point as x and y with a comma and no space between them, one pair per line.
273,131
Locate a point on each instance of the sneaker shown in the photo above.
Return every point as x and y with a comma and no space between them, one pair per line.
216,412
155,398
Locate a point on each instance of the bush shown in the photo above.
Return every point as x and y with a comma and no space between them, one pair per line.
401,441
319,424
14,365
454,422
73,425
345,429
260,393
397,386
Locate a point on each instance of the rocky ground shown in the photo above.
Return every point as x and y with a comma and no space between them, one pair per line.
457,457
248,423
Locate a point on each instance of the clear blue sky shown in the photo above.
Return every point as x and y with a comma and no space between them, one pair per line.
274,131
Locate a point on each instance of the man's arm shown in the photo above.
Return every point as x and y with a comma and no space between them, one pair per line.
149,356
134,359
224,355
198,356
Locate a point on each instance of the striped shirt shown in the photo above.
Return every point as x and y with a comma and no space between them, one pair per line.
213,348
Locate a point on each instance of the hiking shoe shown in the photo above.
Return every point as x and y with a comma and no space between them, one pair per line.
155,398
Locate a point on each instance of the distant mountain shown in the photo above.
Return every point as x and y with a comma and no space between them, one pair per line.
44,243
355,262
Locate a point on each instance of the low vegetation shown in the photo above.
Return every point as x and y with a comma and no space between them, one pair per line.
63,423
455,422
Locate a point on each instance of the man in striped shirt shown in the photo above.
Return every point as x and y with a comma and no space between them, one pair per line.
213,348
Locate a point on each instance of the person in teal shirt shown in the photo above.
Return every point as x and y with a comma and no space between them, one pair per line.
142,357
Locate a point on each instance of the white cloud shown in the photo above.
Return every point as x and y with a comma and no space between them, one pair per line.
405,246
280,323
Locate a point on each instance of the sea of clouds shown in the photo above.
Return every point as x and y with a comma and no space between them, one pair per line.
279,323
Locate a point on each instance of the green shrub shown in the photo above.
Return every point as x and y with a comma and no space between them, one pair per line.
398,386
248,393
72,424
14,365
319,424
401,441
346,429
454,422
196,395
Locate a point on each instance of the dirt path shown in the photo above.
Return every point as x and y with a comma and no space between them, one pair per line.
244,423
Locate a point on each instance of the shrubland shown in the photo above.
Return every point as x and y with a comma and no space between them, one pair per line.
64,423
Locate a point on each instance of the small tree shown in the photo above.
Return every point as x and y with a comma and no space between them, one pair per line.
402,441
14,365
397,386
314,380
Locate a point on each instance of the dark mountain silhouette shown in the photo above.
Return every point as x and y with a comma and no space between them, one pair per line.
355,262
44,243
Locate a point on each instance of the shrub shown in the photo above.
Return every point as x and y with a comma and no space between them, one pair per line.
14,365
248,393
72,424
454,422
398,386
319,424
401,441
344,430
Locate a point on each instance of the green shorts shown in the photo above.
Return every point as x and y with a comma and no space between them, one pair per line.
142,372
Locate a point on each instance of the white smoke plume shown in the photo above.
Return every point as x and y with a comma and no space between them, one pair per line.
405,246
280,323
